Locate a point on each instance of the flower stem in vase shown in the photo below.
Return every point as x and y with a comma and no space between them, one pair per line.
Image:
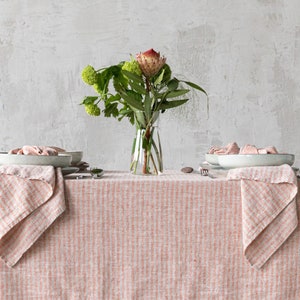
147,151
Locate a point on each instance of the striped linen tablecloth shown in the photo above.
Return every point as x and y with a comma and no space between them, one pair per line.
175,236
31,198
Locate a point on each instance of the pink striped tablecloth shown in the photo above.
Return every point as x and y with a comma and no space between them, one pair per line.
31,199
175,236
269,209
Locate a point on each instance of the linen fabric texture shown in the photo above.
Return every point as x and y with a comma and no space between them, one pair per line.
31,199
269,211
175,236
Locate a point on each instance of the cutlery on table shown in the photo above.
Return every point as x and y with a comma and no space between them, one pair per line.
202,171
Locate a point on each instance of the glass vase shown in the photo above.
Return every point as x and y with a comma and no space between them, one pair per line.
146,157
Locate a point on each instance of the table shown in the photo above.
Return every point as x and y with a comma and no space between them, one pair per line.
175,236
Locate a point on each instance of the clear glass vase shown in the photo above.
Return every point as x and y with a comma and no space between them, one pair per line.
146,157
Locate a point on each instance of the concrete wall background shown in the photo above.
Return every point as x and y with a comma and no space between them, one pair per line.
246,54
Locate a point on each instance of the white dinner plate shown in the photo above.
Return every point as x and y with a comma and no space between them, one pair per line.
229,161
69,170
60,160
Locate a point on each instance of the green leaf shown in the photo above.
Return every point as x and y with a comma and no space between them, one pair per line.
113,98
170,104
176,93
159,79
141,119
103,79
167,73
124,111
148,104
137,87
120,82
133,99
133,77
115,70
89,100
173,84
195,86
111,109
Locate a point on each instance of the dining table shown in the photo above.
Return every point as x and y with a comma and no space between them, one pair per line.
173,236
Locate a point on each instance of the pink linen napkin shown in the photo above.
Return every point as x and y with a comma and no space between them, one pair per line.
31,198
269,212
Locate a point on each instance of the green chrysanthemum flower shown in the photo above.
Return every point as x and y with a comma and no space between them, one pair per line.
89,75
97,88
132,66
92,109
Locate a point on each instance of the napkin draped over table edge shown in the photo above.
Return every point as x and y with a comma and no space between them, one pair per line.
31,199
269,210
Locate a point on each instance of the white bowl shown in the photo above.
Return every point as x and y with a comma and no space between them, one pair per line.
212,158
251,160
76,156
61,160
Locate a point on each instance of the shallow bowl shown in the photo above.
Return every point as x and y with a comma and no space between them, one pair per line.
76,156
212,159
252,160
61,160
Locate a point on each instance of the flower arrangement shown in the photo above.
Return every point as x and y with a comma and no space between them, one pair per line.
137,89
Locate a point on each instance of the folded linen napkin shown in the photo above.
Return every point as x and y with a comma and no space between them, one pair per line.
269,212
31,198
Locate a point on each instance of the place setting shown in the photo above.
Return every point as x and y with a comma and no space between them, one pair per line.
232,156
220,159
70,162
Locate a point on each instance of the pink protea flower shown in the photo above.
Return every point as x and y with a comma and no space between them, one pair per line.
150,62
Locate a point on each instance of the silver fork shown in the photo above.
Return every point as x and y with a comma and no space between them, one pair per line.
205,172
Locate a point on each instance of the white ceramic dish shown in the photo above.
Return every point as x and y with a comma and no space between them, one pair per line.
69,170
251,160
212,158
61,160
76,156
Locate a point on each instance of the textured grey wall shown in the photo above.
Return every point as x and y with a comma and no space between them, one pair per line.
246,54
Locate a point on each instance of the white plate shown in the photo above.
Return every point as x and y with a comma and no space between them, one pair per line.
252,160
69,170
60,160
